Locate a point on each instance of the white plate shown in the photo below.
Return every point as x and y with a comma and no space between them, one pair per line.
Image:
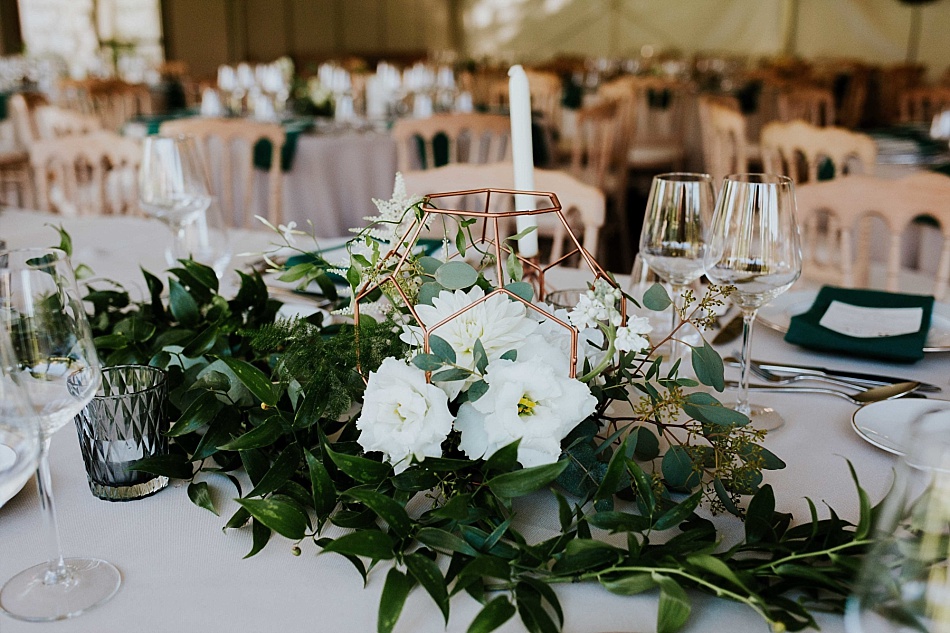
779,312
885,424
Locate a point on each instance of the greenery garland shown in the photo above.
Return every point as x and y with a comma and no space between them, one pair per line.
278,399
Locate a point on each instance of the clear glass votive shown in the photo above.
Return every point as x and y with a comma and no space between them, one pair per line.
123,423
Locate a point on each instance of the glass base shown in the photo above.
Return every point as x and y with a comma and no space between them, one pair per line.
128,493
764,418
89,583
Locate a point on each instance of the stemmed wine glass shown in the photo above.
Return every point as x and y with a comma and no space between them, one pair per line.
754,246
674,235
903,586
173,188
19,429
54,361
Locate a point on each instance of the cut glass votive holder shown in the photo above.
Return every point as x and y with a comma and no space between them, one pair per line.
124,422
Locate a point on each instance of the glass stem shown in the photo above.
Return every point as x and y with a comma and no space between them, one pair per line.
742,399
675,345
56,572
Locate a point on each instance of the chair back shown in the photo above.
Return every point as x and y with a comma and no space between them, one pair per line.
723,128
228,148
90,174
583,205
55,122
798,149
114,102
470,138
921,105
807,103
837,218
22,107
546,94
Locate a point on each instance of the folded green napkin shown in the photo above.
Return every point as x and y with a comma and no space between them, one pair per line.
807,330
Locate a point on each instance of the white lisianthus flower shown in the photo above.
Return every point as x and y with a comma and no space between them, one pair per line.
403,416
630,338
527,401
499,323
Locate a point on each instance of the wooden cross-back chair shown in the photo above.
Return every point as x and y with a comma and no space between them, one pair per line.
811,104
471,138
797,149
90,174
112,101
228,148
836,236
546,94
55,122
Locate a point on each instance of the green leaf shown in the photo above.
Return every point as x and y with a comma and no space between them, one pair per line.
514,268
173,466
429,291
281,515
370,544
644,487
521,289
253,378
449,375
492,615
260,536
656,298
427,362
647,445
65,241
314,404
134,329
427,573
386,508
707,364
678,469
391,602
758,523
511,355
324,492
110,341
365,471
769,460
201,410
725,497
715,566
504,459
480,356
525,481
616,521
280,471
429,264
258,437
440,347
478,389
674,606
212,381
628,585
456,275
615,472
201,273
200,495
583,555
678,513
706,408
182,305
863,527
443,541
202,343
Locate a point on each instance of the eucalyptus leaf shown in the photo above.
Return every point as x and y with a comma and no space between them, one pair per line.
708,367
441,348
521,289
456,275
656,298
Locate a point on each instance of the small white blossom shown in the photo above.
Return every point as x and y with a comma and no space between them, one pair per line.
403,416
288,231
527,401
630,338
588,312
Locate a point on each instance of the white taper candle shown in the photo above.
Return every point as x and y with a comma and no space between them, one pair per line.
519,103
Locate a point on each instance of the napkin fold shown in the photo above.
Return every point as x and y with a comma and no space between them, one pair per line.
805,329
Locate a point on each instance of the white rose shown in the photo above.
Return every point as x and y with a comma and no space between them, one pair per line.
527,401
403,416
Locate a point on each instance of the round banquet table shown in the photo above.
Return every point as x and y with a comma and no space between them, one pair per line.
181,572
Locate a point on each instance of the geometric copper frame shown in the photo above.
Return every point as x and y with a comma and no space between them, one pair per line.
403,249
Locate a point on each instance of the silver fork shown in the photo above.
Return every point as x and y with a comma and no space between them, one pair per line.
776,379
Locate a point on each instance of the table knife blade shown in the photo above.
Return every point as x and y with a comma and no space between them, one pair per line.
853,375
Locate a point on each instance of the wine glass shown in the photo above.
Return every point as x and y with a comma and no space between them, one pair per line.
754,245
674,235
903,586
173,188
54,361
19,430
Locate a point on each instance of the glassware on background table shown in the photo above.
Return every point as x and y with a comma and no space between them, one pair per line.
54,361
903,586
673,241
173,188
19,430
124,422
754,245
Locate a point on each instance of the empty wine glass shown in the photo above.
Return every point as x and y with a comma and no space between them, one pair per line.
54,361
19,430
173,188
755,246
674,235
903,586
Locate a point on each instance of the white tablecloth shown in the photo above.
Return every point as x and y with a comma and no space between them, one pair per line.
180,572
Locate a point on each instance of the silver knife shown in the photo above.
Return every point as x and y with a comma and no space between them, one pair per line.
856,376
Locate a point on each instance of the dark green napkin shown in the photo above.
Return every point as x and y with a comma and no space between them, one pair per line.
293,129
805,330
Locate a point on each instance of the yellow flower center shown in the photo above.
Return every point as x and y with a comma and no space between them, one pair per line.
526,405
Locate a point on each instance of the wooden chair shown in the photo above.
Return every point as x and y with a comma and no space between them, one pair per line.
91,174
845,255
471,138
893,82
546,94
584,205
725,149
113,102
228,147
660,114
922,104
16,187
55,122
798,149
807,103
